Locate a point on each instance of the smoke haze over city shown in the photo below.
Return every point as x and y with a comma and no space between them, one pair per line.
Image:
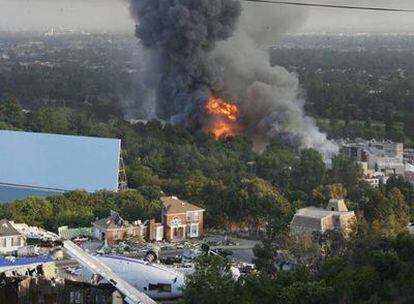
112,15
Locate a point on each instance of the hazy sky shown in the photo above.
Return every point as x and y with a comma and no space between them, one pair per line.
112,15
101,15
321,19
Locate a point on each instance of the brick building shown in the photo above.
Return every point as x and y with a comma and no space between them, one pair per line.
181,219
115,229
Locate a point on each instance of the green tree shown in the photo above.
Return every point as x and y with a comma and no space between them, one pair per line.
322,194
309,173
276,165
263,203
404,186
345,171
140,175
404,246
387,212
11,113
314,292
356,285
212,282
33,211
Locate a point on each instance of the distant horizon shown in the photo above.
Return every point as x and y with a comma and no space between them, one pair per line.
337,32
113,16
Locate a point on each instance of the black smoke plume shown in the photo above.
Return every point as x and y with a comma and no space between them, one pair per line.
181,34
196,45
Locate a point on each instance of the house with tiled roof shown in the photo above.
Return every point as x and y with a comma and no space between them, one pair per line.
334,217
115,229
10,239
181,219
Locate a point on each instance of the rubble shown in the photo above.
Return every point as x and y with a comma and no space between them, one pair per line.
161,257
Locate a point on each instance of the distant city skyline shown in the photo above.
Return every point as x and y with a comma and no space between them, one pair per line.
113,16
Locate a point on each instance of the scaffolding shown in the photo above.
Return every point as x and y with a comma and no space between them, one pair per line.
122,177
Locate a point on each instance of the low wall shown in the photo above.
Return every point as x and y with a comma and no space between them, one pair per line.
70,233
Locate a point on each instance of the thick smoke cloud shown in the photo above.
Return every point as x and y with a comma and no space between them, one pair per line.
196,45
272,100
180,35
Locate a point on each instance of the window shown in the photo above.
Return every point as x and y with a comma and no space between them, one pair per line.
176,221
116,235
16,241
193,231
160,287
3,242
75,297
144,231
193,216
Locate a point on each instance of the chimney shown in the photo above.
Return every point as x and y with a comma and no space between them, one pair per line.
151,227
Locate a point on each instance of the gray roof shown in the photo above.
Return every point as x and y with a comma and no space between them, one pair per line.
103,222
56,163
173,205
7,229
311,217
112,221
302,221
313,212
319,213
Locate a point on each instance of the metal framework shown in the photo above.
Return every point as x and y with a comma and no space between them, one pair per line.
122,179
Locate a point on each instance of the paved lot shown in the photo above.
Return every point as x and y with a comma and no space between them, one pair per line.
242,251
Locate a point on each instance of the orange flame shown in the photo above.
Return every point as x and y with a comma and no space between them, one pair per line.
217,106
225,115
222,129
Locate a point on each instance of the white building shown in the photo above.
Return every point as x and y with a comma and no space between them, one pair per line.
379,159
10,239
335,217
373,151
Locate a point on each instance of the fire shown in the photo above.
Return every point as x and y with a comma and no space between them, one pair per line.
217,106
222,129
224,118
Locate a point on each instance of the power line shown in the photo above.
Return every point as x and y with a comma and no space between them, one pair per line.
365,8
